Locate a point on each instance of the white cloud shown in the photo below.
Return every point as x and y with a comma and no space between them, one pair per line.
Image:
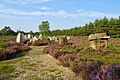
11,13
63,13
80,10
44,8
60,13
28,1
91,14
13,17
97,14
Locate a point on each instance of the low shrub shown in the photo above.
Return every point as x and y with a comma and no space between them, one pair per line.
12,50
107,72
39,42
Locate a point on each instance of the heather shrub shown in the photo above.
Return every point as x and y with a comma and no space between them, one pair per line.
3,55
11,53
66,59
76,66
85,68
46,50
29,43
24,48
64,56
39,42
107,72
12,50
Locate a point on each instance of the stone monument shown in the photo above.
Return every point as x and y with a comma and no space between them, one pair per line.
19,38
98,40
63,40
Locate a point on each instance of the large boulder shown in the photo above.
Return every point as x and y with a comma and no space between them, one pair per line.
63,40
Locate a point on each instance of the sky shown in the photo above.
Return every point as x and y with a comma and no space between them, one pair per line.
27,15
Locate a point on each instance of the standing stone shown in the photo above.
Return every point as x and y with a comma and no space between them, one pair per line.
25,37
55,39
63,40
30,36
68,37
34,39
41,36
50,38
19,38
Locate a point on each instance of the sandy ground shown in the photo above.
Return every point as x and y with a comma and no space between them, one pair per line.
38,66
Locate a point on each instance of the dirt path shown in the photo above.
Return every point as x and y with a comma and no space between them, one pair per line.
38,66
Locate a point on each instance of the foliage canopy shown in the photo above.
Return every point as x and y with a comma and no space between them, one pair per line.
44,26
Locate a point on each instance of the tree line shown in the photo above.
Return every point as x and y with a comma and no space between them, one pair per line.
110,26
7,31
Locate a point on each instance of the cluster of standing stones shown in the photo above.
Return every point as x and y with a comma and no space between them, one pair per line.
21,38
96,41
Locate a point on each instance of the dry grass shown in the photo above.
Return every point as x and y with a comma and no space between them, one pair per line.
36,65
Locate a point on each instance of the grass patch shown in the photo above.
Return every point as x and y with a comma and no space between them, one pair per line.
67,47
103,56
7,69
116,38
7,36
33,77
3,45
114,48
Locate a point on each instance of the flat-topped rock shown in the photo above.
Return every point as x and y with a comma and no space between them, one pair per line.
98,36
98,40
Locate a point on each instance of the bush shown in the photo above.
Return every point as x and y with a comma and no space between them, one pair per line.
12,50
107,72
43,42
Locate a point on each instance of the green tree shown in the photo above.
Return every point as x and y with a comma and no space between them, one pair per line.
97,26
111,27
104,25
44,27
7,31
117,27
91,28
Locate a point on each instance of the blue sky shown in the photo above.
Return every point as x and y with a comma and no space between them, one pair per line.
26,15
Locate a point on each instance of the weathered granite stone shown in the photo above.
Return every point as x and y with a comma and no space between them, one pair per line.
63,40
98,40
19,38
